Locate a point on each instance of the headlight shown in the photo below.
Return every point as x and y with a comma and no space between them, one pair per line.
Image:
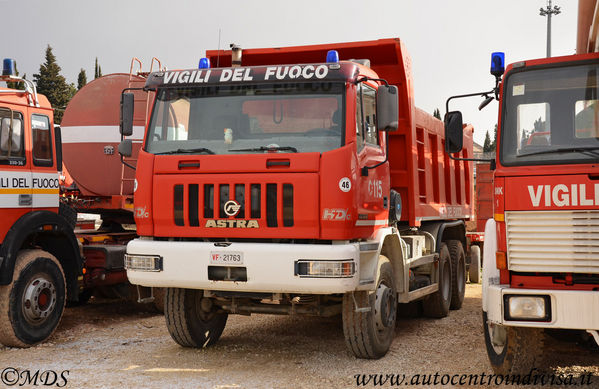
325,269
527,307
143,262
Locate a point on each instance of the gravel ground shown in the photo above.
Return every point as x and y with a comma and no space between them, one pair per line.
120,344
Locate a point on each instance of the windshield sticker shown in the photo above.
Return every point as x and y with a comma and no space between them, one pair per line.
518,90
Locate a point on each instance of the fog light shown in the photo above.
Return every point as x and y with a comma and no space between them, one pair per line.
143,262
325,269
529,308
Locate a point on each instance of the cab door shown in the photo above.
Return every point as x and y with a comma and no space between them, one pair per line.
44,172
373,182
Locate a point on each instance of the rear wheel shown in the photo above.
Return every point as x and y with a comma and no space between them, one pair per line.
458,273
513,349
437,304
370,331
474,269
192,319
32,305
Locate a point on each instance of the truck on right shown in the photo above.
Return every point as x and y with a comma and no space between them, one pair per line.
541,269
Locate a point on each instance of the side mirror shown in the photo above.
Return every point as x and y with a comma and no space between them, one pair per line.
454,132
58,142
126,148
387,108
127,107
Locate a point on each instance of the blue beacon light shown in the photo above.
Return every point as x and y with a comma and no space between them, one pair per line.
497,64
204,63
332,56
9,67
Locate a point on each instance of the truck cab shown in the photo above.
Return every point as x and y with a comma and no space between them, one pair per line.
541,269
39,254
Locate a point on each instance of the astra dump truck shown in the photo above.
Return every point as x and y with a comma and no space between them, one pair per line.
297,184
541,268
44,262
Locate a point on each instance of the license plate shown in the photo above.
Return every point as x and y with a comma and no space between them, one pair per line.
228,258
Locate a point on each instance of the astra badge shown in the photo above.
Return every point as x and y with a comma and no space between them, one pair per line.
232,208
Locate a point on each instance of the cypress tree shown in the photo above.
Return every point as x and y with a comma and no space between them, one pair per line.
437,114
53,85
81,79
487,144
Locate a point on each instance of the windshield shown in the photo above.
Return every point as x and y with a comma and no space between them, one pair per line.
229,119
551,116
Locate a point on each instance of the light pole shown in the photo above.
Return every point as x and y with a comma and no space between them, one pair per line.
548,12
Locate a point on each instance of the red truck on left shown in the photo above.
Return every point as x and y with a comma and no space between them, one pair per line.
44,264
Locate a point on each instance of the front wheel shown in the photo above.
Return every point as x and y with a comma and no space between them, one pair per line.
369,316
513,349
32,305
192,319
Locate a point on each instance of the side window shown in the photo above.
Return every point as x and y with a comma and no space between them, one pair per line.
369,104
11,135
359,136
42,140
366,132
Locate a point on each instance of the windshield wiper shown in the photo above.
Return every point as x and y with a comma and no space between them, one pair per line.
563,150
266,148
188,151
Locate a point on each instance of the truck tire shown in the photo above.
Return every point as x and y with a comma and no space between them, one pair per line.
437,304
514,350
474,269
370,334
191,319
32,305
458,273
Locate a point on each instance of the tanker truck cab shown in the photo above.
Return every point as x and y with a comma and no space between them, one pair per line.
546,208
39,255
266,189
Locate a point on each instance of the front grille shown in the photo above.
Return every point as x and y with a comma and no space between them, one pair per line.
553,241
273,202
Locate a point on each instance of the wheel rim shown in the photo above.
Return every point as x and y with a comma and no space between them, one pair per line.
39,299
497,336
384,307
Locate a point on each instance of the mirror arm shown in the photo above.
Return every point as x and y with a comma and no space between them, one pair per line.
495,91
490,160
364,78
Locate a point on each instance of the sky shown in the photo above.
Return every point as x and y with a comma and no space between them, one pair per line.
450,41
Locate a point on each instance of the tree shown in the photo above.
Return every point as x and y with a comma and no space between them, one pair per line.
81,79
494,143
97,70
487,144
53,85
437,114
16,85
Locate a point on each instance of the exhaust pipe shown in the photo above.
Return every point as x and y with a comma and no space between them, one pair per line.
235,55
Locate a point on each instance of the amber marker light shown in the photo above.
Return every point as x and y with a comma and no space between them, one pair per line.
501,260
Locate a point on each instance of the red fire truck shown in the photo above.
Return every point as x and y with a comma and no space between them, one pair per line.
43,263
297,184
541,248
